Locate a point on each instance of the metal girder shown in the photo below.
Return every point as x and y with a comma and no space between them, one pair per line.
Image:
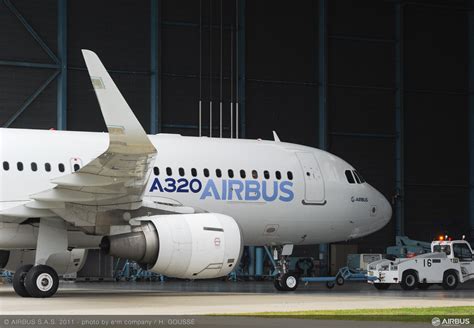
30,29
364,135
31,99
59,63
399,123
242,68
27,64
322,101
61,105
322,71
471,119
154,64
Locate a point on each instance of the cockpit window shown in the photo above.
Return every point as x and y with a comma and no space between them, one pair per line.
350,177
359,177
356,177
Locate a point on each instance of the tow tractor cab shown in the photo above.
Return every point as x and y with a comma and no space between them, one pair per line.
449,263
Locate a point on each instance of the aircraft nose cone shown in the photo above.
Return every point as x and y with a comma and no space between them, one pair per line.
386,210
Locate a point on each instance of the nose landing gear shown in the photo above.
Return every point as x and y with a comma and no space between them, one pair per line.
286,280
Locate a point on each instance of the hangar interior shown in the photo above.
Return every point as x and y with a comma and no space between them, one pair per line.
386,85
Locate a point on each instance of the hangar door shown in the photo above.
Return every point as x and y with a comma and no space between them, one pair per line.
313,179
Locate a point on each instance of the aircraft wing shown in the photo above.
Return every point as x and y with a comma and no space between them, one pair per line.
114,181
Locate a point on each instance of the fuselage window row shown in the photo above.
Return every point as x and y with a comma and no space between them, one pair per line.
230,173
34,167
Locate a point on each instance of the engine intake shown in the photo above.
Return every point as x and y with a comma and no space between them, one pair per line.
192,246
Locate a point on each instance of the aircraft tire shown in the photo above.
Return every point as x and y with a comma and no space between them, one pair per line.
19,280
278,285
42,281
289,281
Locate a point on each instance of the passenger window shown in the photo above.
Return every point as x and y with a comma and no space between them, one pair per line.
6,166
76,167
290,175
169,171
156,171
19,166
206,173
266,174
47,167
278,175
218,173
61,167
230,173
255,174
356,177
350,177
181,172
194,172
34,167
242,174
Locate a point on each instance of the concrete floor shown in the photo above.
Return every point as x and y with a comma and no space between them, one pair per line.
215,297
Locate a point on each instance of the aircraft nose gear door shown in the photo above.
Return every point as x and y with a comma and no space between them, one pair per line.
313,179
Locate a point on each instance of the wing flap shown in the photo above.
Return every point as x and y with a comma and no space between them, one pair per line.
81,179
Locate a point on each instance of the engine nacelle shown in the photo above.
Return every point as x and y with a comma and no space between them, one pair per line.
63,263
192,246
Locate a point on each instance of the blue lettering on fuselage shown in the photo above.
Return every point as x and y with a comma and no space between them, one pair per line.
232,189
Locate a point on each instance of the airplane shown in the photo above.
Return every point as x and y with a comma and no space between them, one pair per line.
180,206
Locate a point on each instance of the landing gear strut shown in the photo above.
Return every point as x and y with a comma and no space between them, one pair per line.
42,280
285,280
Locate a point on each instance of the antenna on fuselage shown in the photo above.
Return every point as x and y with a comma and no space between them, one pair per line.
275,136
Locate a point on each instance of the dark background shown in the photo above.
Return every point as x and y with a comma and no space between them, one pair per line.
282,83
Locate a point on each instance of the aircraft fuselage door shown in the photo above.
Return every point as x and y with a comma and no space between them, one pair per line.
76,164
313,179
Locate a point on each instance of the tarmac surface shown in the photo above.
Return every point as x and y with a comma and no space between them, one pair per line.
218,297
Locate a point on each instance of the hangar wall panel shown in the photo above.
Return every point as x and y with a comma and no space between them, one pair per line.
282,59
436,125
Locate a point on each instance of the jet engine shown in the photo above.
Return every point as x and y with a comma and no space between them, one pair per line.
191,246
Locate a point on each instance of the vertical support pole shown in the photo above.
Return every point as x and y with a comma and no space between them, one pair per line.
241,70
251,261
154,77
322,104
259,261
471,118
322,78
399,123
61,98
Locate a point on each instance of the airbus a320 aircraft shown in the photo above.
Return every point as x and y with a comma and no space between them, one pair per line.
180,206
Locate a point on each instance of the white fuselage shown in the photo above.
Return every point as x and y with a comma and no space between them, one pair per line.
313,204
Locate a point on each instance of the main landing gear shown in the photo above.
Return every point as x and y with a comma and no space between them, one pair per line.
285,280
38,281
41,280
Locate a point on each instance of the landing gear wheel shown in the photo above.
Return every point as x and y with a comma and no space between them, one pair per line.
340,280
289,281
450,280
382,286
42,281
423,286
278,285
409,280
19,280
